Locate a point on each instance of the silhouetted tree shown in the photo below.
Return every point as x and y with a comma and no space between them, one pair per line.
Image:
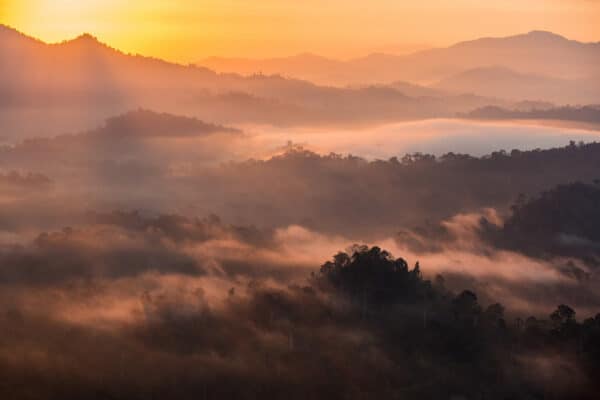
375,276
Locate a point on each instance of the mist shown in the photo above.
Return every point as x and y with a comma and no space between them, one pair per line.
391,226
435,136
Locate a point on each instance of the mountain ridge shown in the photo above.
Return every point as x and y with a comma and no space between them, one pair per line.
87,81
535,52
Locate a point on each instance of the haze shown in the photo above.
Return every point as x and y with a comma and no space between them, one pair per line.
299,200
187,30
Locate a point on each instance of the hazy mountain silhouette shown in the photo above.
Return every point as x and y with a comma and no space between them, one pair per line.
505,83
305,66
587,114
536,52
145,123
81,82
413,89
82,66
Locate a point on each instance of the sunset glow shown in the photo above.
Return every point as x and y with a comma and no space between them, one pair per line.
188,30
299,199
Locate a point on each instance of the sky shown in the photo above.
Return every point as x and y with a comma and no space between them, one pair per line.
189,30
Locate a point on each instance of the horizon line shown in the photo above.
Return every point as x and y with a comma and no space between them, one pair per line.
95,37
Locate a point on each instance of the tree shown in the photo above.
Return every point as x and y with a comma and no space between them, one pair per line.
466,308
563,315
375,276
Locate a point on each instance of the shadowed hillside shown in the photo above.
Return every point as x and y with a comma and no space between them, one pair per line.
560,222
364,325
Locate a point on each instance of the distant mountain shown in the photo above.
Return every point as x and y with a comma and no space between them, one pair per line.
149,124
306,66
589,114
536,52
81,66
410,89
126,148
47,89
507,84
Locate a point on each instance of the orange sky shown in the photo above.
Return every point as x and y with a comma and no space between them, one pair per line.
188,30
